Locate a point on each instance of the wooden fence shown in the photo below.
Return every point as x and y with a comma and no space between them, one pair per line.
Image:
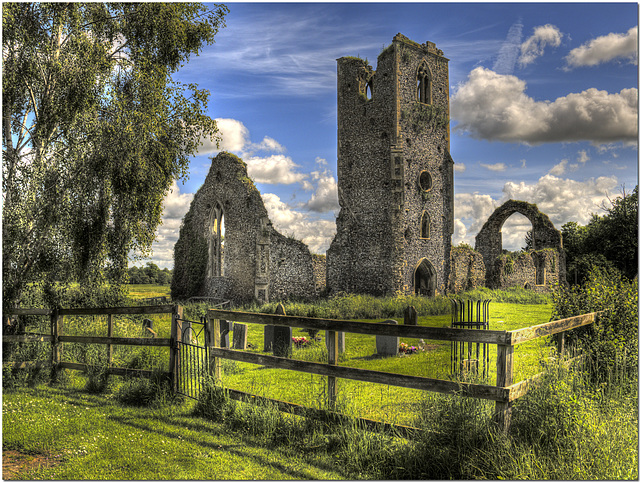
57,337
503,393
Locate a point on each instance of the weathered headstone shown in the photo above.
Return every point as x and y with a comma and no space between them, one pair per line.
240,336
282,337
225,328
410,316
147,323
187,332
387,345
341,340
268,337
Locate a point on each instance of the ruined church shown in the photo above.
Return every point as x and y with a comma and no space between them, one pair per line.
395,189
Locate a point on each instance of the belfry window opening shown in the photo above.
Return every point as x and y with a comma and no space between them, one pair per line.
424,85
215,266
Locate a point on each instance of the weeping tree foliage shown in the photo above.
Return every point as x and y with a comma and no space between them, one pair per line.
94,132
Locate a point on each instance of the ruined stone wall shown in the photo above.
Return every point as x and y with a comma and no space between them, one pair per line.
467,269
536,270
319,272
257,261
291,274
385,142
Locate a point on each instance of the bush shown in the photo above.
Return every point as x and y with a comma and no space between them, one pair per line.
612,342
147,392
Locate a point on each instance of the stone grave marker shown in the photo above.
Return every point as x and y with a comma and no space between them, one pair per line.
387,345
410,316
282,337
225,328
239,336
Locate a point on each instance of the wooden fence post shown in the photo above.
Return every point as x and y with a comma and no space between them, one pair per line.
57,324
174,356
109,334
561,340
504,378
216,337
332,338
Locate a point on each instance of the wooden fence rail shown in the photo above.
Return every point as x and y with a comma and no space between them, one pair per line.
503,393
57,337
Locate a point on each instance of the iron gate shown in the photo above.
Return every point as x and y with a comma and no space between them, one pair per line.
463,359
193,357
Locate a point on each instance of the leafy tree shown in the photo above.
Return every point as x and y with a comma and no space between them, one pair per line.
608,241
94,132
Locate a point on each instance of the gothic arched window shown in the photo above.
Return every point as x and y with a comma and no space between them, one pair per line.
424,84
425,226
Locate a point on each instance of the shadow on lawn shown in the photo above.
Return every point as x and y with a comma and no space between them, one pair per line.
187,435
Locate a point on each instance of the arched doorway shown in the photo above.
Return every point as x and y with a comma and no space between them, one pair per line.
216,242
425,279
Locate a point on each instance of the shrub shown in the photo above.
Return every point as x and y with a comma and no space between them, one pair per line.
147,392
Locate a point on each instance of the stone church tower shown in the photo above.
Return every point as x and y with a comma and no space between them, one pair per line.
395,174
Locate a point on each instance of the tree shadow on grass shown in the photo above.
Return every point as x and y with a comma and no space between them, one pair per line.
185,430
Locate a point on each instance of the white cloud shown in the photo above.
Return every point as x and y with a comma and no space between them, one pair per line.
583,157
605,49
523,163
508,53
563,200
534,46
234,137
325,198
499,166
275,169
315,233
495,107
176,205
268,144
559,169
459,167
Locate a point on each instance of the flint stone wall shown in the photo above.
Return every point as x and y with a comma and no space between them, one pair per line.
258,262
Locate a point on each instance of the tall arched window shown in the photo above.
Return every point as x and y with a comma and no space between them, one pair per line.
425,226
216,242
424,84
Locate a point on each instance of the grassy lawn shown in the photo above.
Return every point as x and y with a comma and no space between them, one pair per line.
82,436
382,402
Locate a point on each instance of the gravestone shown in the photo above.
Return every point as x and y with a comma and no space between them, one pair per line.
410,316
225,328
341,340
282,337
147,323
240,336
268,337
187,332
387,345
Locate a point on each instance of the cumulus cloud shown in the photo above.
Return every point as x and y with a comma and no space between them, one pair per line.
563,200
275,169
325,197
459,167
495,107
176,205
583,157
497,167
534,46
234,136
605,49
316,233
560,168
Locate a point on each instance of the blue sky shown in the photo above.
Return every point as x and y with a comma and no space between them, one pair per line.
544,106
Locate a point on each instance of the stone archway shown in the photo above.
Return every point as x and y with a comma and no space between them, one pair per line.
489,239
425,279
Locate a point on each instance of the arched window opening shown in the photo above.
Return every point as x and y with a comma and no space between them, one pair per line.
369,90
424,84
425,279
425,226
514,233
425,181
215,265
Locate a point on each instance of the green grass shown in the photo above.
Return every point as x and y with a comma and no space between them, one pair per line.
137,292
95,438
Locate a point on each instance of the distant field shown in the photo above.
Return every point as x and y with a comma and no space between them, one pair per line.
137,292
